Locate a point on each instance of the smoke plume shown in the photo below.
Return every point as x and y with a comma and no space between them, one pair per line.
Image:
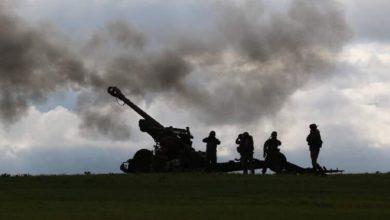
242,68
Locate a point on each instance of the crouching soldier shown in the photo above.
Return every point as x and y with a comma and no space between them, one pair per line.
270,150
211,150
245,148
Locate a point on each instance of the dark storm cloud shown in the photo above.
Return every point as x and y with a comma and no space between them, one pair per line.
148,73
32,67
273,55
120,58
243,69
116,34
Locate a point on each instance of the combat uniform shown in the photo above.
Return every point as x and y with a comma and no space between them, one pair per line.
315,143
211,151
270,151
246,149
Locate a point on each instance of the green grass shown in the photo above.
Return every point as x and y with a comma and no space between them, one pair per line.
195,196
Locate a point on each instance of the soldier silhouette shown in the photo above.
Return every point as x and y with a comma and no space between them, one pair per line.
211,150
315,143
246,148
270,150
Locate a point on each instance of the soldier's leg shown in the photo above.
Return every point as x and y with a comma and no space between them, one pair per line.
208,161
213,160
264,170
317,164
313,158
244,163
314,152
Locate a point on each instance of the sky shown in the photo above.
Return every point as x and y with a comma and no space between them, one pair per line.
228,66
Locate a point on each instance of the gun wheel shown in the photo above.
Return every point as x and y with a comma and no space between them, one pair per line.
278,163
142,160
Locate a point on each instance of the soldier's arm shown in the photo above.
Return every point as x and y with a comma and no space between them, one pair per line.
205,140
218,141
238,141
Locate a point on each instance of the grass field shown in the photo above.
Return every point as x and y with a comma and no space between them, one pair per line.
195,196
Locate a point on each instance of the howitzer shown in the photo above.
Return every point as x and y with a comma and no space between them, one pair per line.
173,146
173,150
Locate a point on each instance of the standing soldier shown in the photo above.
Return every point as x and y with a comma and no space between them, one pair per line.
245,148
270,150
211,150
315,143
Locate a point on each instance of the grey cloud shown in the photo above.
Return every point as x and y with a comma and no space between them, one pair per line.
367,18
117,34
277,47
243,71
102,123
32,68
282,52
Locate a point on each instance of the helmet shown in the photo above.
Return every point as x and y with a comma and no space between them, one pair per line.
313,126
245,133
212,133
274,134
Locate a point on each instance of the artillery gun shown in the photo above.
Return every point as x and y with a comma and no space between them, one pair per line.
173,151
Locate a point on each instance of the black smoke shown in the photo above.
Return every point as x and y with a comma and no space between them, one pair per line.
241,69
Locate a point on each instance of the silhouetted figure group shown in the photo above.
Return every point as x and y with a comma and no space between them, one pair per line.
173,150
271,151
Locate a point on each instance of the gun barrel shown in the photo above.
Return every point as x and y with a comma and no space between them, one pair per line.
114,91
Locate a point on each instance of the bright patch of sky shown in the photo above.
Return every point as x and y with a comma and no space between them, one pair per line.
67,99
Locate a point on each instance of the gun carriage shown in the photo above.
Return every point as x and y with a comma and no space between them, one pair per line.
173,151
